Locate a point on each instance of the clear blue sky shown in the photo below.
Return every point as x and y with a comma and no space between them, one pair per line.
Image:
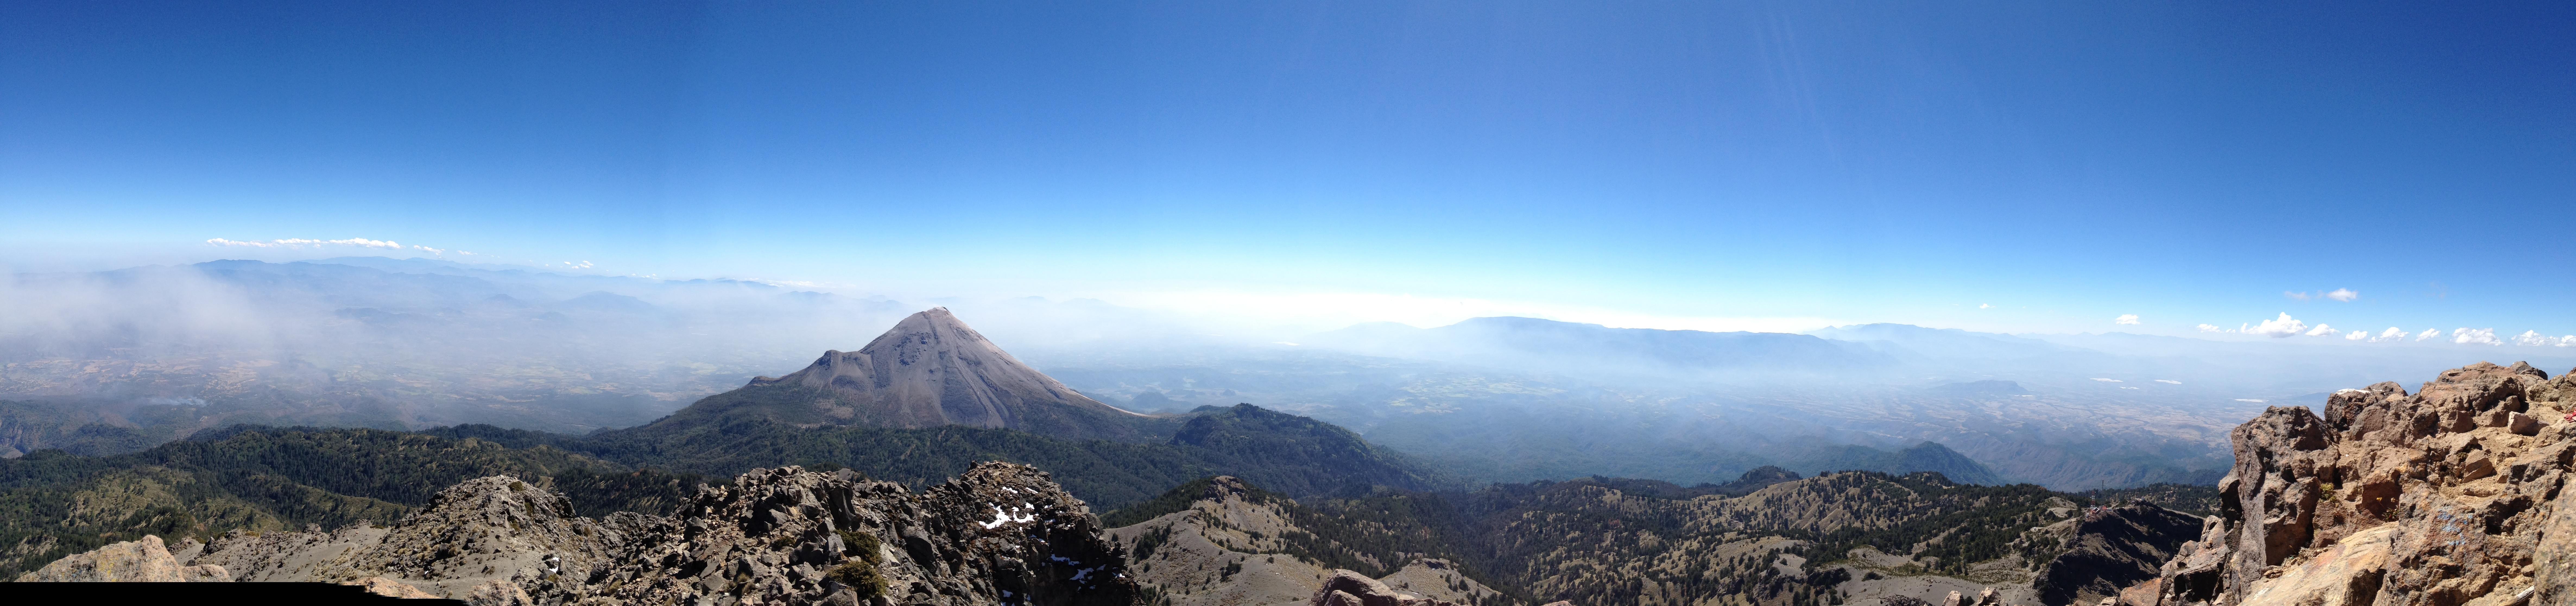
1860,161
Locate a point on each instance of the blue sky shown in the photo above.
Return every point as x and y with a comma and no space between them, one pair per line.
1688,164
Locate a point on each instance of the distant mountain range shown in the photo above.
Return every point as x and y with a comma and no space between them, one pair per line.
1531,343
94,362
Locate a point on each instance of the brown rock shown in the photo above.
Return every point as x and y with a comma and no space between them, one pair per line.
2523,424
498,593
2349,573
2436,498
2142,594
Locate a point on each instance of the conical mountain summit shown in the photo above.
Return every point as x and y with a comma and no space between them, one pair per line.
930,370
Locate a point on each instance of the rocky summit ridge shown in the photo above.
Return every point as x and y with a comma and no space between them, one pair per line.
2449,496
929,370
999,534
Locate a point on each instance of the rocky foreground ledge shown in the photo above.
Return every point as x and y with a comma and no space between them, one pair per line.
999,534
2450,496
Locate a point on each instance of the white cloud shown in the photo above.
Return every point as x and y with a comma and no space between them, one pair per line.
2475,336
2168,381
2211,328
2125,319
1314,311
2535,339
2343,294
2247,400
306,243
2108,380
2323,330
2356,335
2284,327
2126,387
2391,334
2428,334
2300,296
1985,306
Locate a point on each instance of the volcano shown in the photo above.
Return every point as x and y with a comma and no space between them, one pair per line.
930,370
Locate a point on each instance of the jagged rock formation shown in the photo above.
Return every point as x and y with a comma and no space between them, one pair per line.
929,370
1000,534
1346,588
1236,545
2447,496
147,560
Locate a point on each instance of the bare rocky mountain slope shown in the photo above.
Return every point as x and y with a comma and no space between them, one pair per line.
930,370
2448,496
1235,544
1000,534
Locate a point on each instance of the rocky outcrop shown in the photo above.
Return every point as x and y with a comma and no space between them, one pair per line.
2443,497
1346,588
392,589
999,534
145,560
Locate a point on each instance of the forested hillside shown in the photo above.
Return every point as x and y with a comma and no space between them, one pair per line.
1771,538
1301,455
54,502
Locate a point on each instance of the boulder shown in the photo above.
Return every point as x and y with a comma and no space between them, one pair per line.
1348,588
145,560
